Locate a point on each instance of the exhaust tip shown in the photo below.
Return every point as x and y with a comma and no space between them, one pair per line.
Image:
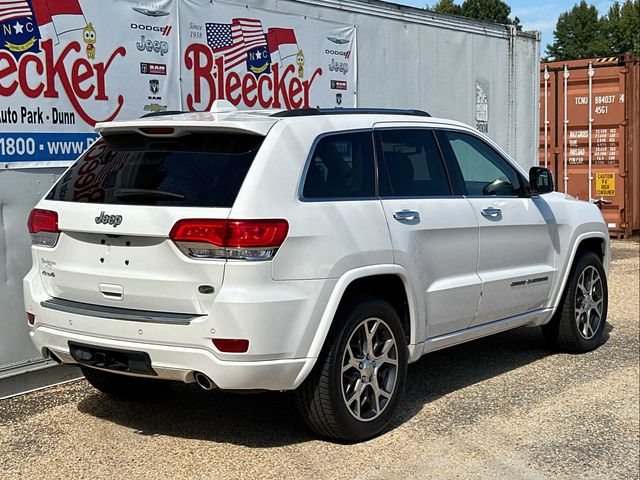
54,357
203,381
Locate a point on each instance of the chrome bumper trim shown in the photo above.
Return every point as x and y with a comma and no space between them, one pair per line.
116,313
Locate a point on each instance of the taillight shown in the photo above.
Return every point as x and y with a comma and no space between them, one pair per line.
43,227
255,233
235,239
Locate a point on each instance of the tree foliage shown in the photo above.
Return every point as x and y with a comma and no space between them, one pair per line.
622,27
578,34
581,33
495,11
448,7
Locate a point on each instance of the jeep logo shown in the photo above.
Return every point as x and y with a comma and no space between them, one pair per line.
114,220
158,46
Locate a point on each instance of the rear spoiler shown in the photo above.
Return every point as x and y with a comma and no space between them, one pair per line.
183,124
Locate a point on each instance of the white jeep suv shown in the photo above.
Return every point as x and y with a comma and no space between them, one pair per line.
312,250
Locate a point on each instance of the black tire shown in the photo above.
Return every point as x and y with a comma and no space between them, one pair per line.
322,398
122,386
568,331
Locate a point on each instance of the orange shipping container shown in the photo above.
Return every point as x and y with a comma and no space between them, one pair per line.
589,134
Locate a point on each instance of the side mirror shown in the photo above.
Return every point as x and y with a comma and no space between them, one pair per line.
540,180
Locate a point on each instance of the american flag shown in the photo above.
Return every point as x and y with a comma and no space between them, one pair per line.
234,40
10,9
109,172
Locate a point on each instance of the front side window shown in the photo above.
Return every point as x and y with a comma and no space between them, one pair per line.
341,166
412,164
483,170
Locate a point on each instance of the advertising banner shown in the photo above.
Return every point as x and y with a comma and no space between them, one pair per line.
67,64
263,59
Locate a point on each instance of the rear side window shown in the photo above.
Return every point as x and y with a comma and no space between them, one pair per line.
194,170
341,166
412,164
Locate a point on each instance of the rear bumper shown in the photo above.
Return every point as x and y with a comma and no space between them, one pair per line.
180,363
280,320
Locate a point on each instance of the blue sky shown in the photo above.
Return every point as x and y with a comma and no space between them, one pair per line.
539,15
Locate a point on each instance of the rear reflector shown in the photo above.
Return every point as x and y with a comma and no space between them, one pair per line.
239,239
231,345
31,319
43,227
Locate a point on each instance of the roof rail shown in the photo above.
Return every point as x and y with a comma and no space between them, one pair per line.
303,112
160,114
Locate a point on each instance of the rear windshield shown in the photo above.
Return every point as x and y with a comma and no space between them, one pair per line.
194,170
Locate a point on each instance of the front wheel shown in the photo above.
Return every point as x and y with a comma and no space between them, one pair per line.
359,380
578,325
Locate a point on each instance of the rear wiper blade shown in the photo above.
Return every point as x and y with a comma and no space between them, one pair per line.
142,192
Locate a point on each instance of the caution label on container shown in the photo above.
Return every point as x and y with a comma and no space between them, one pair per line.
605,184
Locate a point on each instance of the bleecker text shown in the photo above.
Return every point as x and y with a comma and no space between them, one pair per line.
79,78
279,89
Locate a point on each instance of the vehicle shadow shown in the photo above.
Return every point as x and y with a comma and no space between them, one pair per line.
270,420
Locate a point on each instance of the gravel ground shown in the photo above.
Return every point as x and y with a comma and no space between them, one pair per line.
501,407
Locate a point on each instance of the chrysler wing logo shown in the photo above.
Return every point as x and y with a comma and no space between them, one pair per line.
149,12
338,41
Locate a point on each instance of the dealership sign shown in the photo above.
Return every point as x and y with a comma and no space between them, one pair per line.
67,64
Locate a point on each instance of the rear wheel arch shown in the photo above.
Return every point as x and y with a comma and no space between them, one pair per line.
388,287
353,285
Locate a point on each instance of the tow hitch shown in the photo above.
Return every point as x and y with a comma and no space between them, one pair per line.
112,359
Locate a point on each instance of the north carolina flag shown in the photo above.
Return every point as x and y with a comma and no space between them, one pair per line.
282,41
57,17
18,30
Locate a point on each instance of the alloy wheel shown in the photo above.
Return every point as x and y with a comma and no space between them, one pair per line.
589,302
369,369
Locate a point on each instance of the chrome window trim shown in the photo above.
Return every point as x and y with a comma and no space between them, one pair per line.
336,199
423,197
496,196
118,313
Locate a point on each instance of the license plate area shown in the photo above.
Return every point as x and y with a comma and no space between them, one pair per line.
128,361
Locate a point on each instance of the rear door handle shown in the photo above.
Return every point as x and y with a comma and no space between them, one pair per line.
491,212
408,215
